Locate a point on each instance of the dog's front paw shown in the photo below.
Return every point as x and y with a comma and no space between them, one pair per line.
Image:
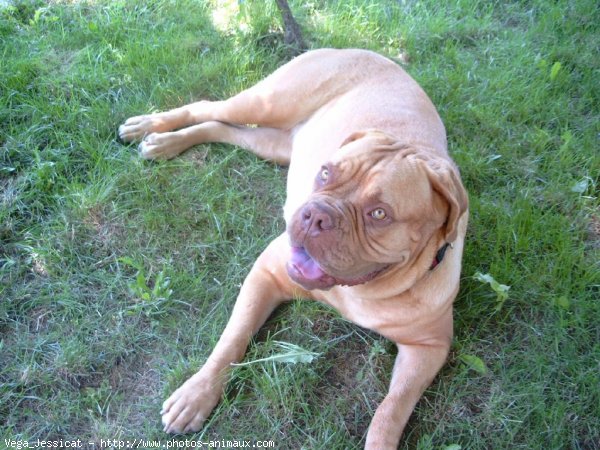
189,406
137,128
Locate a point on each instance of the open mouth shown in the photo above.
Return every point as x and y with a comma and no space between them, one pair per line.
307,272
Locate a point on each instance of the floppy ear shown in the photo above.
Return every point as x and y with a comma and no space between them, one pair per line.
445,180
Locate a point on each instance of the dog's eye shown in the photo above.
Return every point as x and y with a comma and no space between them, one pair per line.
378,214
324,174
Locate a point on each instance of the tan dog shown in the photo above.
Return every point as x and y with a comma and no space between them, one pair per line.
373,203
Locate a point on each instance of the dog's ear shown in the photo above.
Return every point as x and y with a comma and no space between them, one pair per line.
445,180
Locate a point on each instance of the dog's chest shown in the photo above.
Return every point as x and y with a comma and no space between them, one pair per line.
367,314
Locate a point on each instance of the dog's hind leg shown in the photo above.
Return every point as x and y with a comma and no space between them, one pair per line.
268,143
284,99
293,93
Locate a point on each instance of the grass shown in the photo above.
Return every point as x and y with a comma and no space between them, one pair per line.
118,275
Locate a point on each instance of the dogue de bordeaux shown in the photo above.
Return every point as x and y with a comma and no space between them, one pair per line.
375,214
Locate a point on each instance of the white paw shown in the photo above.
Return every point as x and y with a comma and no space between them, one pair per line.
138,127
161,146
189,406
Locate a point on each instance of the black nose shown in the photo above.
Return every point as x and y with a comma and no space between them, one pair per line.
316,219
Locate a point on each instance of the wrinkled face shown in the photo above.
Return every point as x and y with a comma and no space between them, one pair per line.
370,209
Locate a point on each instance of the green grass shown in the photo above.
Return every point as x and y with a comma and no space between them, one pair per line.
117,275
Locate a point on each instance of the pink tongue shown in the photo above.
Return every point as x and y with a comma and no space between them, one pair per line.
307,266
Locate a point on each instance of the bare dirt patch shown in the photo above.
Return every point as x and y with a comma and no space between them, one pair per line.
593,232
355,382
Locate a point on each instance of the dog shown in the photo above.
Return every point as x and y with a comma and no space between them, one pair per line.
376,216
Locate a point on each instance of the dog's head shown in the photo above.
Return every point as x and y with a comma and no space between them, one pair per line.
374,206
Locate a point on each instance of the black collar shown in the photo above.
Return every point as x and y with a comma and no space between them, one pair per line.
439,256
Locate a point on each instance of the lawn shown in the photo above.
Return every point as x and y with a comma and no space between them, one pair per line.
117,275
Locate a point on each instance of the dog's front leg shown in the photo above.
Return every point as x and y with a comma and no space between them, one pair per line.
266,286
414,370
